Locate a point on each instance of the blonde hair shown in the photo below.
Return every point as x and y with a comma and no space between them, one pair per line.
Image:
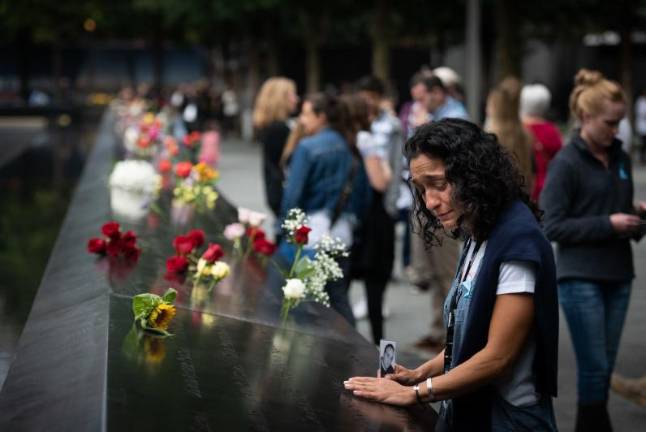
591,89
504,121
272,101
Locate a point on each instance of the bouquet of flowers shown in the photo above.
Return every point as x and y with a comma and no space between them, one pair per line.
154,313
307,277
144,138
115,244
205,267
247,236
196,185
133,186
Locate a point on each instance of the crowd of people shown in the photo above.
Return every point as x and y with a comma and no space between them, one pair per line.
485,201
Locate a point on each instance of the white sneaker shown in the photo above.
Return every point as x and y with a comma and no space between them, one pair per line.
360,310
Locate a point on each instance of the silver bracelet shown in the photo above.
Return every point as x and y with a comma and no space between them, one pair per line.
429,386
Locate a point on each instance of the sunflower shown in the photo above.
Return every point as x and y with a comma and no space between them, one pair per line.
161,316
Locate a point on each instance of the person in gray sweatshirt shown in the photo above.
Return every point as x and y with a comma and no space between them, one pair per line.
590,214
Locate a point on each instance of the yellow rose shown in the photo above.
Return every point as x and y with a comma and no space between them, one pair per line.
220,270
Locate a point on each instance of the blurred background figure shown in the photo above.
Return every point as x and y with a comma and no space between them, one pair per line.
640,124
374,256
535,102
326,180
503,120
451,81
590,214
275,103
210,149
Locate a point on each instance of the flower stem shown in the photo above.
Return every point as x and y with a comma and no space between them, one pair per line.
296,258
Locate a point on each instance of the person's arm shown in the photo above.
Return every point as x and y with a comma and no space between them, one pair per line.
511,322
556,199
378,171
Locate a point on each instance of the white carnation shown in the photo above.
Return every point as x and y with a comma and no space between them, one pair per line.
294,289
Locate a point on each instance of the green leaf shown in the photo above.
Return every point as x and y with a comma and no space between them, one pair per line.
304,268
143,304
169,296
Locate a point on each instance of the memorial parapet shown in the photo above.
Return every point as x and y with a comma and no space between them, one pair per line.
232,365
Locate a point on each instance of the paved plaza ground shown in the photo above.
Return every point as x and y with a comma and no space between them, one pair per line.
410,318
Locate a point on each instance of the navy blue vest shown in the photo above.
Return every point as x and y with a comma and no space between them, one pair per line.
516,237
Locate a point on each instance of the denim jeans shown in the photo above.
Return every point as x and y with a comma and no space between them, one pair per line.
595,313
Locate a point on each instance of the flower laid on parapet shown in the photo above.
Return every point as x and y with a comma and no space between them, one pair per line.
195,185
142,139
115,244
154,313
307,277
205,267
247,236
134,185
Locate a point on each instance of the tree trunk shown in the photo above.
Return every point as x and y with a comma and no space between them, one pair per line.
158,61
509,44
626,31
24,62
312,53
381,42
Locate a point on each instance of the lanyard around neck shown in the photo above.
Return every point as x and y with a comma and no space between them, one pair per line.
455,299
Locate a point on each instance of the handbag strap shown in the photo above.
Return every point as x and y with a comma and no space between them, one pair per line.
345,192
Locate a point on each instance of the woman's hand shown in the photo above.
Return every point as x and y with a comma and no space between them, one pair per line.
381,390
624,223
405,376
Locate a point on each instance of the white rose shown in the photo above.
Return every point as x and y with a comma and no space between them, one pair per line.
220,270
294,289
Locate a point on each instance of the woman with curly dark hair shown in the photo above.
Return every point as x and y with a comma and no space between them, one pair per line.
498,368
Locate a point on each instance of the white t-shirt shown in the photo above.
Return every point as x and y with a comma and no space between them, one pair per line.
518,386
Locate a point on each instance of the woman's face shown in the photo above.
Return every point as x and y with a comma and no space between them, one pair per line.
292,100
428,177
312,122
600,129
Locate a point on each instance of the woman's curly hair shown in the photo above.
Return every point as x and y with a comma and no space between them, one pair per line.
482,174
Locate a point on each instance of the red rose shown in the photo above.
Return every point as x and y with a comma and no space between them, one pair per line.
128,240
183,245
164,166
300,236
111,229
176,264
255,233
131,254
197,235
195,136
97,246
213,253
183,169
264,247
114,248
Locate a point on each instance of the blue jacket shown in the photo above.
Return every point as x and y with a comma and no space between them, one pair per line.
516,237
318,172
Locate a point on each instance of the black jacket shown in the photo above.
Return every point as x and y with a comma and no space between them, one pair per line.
273,138
579,196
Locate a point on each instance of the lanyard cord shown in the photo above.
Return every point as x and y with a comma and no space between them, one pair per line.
457,294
